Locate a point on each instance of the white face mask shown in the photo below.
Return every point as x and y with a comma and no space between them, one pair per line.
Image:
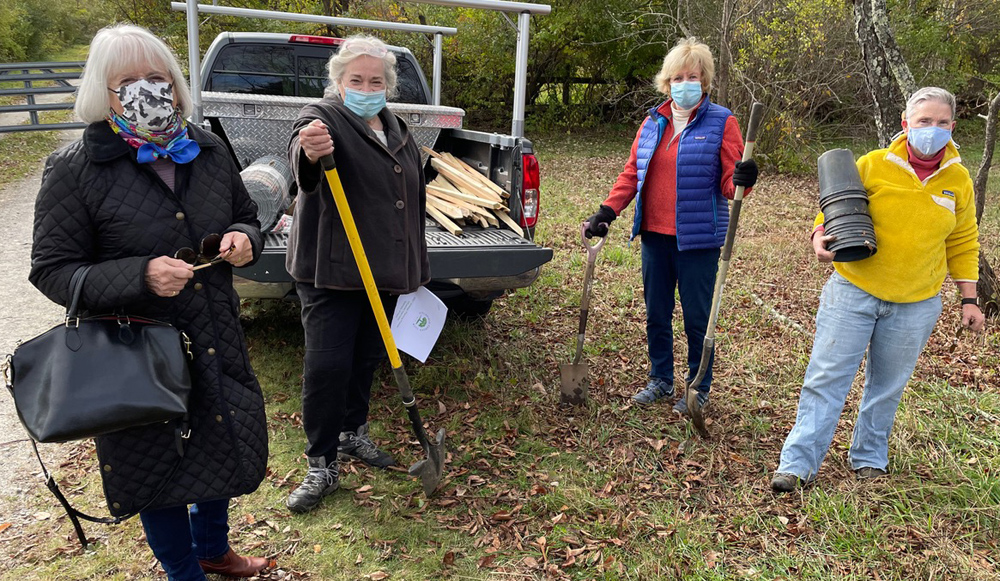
147,104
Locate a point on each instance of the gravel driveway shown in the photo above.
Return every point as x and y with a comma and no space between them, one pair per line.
24,313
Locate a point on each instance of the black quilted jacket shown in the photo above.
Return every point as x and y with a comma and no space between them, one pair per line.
98,206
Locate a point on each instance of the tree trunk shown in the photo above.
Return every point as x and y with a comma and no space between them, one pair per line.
883,72
983,175
887,41
988,288
725,57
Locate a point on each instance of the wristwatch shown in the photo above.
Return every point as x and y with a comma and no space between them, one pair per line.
970,301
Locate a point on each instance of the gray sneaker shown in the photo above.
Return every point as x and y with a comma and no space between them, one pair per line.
681,407
785,482
870,473
320,481
359,446
655,390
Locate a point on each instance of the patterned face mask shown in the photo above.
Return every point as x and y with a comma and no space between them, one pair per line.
147,104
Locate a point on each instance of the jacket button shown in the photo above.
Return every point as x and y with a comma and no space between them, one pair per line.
116,505
107,467
198,286
211,350
396,168
218,418
179,215
399,204
232,413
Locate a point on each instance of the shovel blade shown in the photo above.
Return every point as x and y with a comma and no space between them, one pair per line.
573,389
695,411
430,469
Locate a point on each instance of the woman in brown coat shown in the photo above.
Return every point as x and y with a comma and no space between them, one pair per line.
379,165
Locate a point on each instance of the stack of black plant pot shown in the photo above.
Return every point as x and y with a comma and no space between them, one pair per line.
844,203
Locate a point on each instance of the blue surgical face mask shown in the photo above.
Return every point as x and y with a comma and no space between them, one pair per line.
928,140
364,105
686,94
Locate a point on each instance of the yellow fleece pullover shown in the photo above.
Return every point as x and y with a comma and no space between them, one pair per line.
923,230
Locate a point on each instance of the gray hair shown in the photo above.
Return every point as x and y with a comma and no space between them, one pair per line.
352,48
930,94
116,49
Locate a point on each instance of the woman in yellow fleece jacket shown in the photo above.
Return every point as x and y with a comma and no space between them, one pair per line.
922,206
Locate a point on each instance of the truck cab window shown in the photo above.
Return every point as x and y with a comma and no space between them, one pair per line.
260,70
312,76
408,83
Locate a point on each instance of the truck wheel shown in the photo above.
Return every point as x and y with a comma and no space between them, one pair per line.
467,308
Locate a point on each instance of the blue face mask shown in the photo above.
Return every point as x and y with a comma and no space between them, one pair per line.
686,94
928,140
364,105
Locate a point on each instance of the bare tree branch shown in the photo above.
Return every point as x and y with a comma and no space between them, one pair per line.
983,175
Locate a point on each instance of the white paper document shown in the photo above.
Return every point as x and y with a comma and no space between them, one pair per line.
417,322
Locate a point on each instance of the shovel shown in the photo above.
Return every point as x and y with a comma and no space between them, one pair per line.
573,388
691,393
429,469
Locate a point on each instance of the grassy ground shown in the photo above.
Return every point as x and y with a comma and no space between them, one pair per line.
609,491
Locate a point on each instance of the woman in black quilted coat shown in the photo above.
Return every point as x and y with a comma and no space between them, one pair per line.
139,186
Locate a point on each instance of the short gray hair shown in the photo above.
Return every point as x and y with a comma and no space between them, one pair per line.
116,49
930,94
352,48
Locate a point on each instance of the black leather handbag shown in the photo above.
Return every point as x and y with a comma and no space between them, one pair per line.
96,375
89,377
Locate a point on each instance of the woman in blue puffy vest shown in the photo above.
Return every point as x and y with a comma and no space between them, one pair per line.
685,164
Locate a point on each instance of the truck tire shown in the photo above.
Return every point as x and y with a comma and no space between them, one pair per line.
467,308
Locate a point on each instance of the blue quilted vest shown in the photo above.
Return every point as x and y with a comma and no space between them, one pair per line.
702,211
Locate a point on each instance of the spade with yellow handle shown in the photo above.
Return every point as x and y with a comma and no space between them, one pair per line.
429,469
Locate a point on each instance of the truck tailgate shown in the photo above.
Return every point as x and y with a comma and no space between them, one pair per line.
478,252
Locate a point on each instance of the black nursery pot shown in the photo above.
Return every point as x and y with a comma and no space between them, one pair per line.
844,202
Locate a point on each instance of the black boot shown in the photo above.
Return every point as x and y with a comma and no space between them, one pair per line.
320,481
359,446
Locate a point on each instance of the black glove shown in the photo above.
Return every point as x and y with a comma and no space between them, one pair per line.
599,222
745,173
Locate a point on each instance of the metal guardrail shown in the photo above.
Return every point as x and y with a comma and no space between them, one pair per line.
28,74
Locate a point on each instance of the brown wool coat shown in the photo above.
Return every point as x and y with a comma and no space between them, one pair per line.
385,190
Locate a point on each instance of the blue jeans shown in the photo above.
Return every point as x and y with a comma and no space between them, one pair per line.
692,274
849,323
179,537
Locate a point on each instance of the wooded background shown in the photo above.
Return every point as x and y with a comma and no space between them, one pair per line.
592,61
830,72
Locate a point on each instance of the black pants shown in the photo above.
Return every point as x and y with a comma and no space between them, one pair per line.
343,350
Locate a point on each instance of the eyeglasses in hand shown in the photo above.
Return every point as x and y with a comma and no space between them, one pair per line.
209,252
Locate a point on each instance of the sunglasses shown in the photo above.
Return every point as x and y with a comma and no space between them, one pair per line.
209,252
364,48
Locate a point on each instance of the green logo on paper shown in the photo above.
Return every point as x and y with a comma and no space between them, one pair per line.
422,322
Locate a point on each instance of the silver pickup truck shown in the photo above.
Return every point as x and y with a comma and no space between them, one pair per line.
253,86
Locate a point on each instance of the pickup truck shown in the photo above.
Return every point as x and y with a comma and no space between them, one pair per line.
253,86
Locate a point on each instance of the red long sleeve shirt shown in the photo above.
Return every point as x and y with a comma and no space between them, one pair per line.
660,188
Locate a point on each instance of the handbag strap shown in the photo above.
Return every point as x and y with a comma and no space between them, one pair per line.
75,290
181,433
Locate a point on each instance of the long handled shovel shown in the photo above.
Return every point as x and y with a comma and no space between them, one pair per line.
429,469
691,393
573,388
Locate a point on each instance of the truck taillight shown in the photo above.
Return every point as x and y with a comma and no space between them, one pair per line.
529,191
315,39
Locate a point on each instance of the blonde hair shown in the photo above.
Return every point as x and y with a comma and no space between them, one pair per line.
119,48
688,53
352,48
